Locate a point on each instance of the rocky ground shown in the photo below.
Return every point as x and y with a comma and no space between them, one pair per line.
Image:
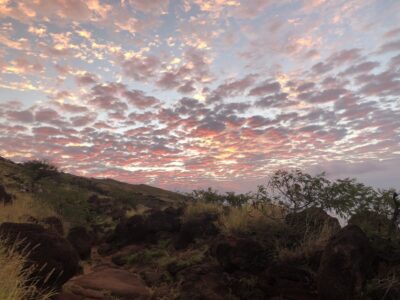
162,255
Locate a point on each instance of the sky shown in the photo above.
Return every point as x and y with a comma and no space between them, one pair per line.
186,94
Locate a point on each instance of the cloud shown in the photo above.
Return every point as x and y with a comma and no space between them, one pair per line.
267,87
24,116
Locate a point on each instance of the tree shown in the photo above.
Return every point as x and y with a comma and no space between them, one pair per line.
38,169
296,190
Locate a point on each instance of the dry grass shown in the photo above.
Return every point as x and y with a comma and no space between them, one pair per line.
198,207
23,207
13,277
311,242
139,210
248,218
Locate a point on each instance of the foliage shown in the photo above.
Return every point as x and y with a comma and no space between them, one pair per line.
250,218
198,207
295,190
69,202
213,196
38,169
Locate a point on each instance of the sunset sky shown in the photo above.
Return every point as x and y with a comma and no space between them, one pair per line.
184,94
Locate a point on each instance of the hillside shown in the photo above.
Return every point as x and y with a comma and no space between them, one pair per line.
80,199
65,237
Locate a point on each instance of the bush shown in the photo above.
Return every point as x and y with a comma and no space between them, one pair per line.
38,169
249,218
196,208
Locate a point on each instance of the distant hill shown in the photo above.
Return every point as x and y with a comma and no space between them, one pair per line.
78,198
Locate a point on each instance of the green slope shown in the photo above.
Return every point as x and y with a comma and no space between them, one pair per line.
69,195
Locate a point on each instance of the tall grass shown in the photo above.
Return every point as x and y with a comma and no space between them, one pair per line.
14,283
196,208
22,208
311,242
248,218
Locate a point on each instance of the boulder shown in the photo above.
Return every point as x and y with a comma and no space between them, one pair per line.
141,228
283,281
384,240
51,256
81,241
205,281
311,221
242,254
106,283
167,220
53,223
374,224
129,231
345,265
200,226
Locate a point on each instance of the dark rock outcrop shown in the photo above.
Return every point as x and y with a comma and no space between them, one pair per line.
141,228
163,220
345,265
311,221
52,257
129,231
202,282
288,282
81,241
374,224
242,254
200,226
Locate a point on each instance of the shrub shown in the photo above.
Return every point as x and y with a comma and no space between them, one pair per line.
310,243
38,169
196,208
250,218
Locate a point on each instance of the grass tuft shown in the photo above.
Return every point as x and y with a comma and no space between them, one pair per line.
14,283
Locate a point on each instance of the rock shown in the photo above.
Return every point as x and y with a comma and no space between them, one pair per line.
374,224
311,221
384,240
200,226
5,197
81,241
129,231
203,282
54,259
345,265
107,283
163,220
140,228
289,282
242,254
53,223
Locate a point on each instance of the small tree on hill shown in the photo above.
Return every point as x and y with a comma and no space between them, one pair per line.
38,169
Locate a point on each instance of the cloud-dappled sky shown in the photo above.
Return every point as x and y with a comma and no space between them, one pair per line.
193,93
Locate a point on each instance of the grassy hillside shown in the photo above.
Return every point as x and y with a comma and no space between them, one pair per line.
76,199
